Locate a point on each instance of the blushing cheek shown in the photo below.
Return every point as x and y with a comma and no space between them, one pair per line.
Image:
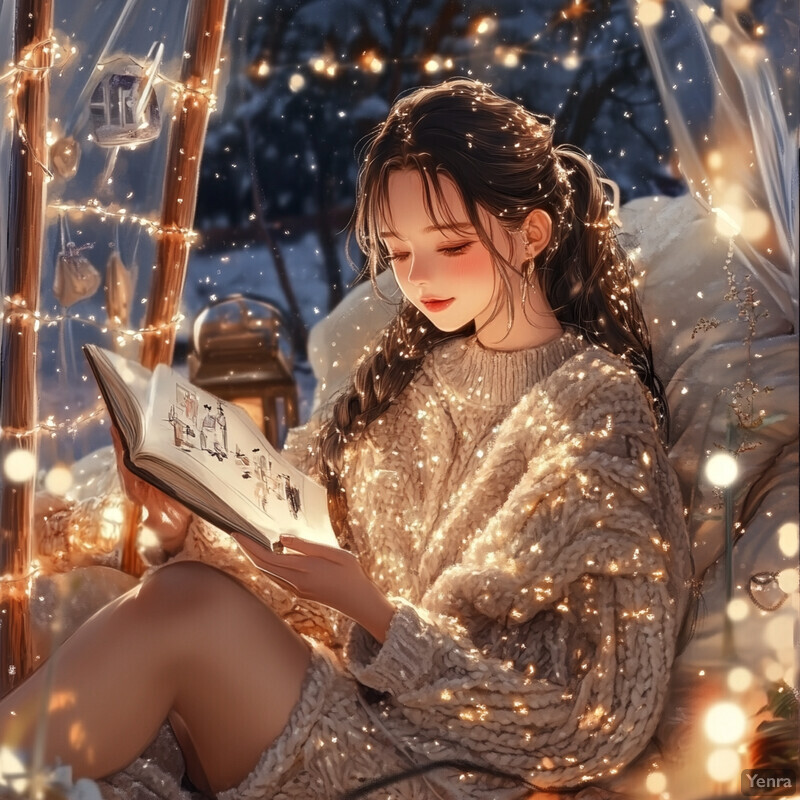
474,275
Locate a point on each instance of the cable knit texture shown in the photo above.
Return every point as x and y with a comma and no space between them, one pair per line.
519,511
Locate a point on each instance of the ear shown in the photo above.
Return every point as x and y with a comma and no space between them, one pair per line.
537,228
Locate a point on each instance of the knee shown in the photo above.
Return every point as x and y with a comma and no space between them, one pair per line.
187,609
186,586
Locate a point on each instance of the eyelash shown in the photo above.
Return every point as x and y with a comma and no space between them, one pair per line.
457,250
450,252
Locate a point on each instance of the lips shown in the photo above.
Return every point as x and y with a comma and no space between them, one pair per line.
435,304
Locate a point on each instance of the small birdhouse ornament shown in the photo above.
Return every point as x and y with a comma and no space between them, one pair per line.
75,278
124,108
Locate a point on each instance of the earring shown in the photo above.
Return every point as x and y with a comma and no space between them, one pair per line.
528,248
529,268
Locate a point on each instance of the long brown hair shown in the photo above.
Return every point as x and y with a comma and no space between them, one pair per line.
502,159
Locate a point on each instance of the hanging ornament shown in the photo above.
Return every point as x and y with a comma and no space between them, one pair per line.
119,291
65,156
124,107
765,591
75,278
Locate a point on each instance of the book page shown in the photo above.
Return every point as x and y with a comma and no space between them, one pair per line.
225,455
125,386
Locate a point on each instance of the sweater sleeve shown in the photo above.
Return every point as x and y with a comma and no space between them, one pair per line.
546,651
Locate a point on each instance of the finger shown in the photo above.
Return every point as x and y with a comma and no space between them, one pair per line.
272,573
261,556
282,581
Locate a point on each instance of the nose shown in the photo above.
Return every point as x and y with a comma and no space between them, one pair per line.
418,272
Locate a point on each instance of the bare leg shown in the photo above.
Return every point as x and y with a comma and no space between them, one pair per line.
189,641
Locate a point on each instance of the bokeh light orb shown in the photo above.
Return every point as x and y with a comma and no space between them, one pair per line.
705,13
649,12
737,609
485,25
719,33
788,580
740,679
58,479
722,469
715,160
19,466
725,723
789,539
656,782
756,224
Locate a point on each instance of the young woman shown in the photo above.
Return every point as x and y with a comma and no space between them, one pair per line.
505,610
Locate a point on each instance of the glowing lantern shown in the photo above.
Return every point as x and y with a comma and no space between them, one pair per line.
240,353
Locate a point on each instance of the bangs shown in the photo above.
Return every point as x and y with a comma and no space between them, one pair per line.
378,216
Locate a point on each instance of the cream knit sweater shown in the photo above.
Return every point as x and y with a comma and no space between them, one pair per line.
521,514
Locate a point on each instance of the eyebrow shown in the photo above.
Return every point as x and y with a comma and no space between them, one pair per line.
449,226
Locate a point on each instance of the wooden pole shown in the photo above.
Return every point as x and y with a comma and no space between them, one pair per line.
18,357
205,26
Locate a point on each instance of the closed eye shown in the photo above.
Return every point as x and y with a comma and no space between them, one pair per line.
456,250
396,258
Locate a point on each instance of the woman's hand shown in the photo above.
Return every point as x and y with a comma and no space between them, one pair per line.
325,575
166,517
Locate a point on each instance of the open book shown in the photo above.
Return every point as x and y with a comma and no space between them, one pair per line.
207,453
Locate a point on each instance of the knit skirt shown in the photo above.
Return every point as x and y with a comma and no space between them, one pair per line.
331,744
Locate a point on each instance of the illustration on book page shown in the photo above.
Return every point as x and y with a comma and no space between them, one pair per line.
213,434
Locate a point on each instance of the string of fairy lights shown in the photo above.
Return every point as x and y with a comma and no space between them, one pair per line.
648,13
58,57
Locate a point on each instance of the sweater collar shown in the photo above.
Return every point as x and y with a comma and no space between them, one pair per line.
464,368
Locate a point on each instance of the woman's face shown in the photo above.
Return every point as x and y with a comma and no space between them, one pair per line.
442,267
